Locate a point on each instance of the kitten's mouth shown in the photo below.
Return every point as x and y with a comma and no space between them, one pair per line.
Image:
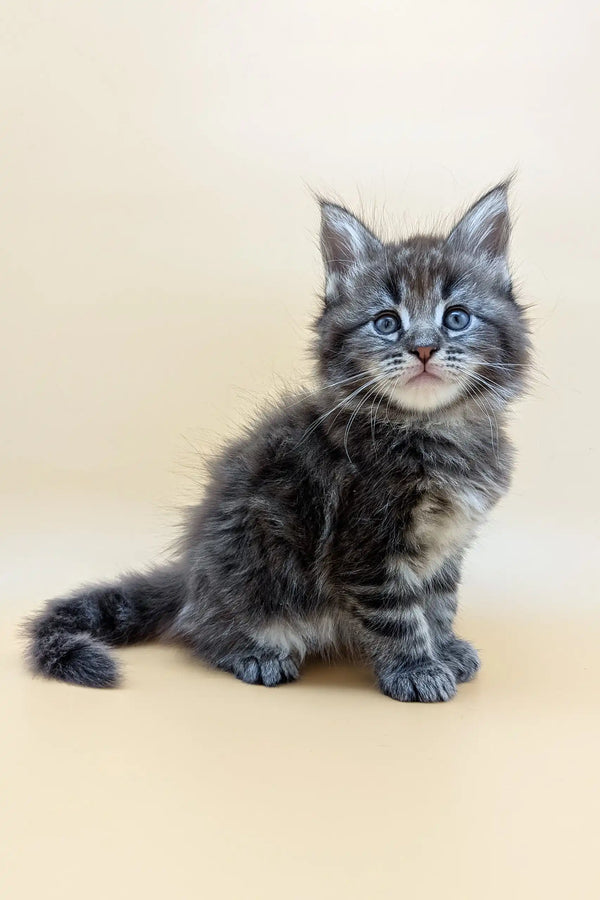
424,377
425,391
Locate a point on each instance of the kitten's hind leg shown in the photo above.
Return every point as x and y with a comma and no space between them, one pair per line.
271,656
264,667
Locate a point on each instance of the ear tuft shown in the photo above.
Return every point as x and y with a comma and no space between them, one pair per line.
485,227
345,240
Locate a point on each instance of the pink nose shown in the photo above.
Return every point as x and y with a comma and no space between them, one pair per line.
425,352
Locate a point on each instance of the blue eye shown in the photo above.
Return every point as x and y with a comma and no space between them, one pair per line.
387,323
456,318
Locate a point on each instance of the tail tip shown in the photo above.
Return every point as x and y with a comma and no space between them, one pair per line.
77,659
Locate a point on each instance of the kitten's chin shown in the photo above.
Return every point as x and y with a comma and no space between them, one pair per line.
424,393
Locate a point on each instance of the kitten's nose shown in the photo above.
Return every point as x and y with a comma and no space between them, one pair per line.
425,352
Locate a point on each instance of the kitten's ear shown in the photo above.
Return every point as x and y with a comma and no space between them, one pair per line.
485,227
344,239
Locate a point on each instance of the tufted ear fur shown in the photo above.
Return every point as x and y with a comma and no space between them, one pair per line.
344,239
485,228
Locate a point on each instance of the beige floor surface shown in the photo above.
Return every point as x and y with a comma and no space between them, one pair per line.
188,783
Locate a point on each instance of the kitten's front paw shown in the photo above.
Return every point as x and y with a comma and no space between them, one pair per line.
424,682
462,658
265,669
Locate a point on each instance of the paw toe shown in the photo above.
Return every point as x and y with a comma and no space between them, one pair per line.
269,670
247,669
430,682
462,658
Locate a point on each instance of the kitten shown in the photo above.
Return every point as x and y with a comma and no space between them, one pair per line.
342,518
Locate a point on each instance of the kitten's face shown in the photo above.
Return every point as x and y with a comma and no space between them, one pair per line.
424,324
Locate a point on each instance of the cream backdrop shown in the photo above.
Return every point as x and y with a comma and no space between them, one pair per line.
159,275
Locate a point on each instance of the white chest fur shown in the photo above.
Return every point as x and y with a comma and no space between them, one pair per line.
442,525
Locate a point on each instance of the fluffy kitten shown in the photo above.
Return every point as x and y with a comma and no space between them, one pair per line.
341,519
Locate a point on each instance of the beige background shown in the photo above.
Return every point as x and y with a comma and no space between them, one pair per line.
159,272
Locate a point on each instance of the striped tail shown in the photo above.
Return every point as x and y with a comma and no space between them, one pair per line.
70,638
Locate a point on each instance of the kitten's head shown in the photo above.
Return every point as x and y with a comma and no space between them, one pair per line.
427,323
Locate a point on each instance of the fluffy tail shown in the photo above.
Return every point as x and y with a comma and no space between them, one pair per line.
69,639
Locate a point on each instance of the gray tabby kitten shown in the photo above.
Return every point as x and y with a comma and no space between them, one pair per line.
340,520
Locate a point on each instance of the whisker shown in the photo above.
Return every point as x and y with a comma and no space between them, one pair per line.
317,422
350,421
374,414
494,389
494,437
